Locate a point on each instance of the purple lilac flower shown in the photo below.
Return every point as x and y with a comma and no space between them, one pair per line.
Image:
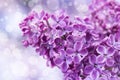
83,49
105,55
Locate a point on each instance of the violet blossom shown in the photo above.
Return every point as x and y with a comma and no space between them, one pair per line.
83,49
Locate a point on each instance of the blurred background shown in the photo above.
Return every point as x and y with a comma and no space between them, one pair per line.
16,61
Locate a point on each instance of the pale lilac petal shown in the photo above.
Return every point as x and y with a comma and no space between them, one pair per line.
92,59
69,59
101,49
80,27
100,59
83,52
64,67
69,28
70,39
59,42
110,62
41,51
111,40
69,50
62,53
76,59
58,61
88,69
62,24
78,46
110,51
95,75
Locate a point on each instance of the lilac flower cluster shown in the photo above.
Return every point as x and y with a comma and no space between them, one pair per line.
83,49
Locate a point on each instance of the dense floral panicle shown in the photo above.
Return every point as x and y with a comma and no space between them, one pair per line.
83,49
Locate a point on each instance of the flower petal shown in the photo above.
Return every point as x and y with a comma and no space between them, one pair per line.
70,39
78,46
84,52
95,75
76,59
101,49
64,67
62,53
92,59
110,51
62,24
69,51
80,27
69,59
88,69
109,62
100,59
58,41
58,61
111,40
